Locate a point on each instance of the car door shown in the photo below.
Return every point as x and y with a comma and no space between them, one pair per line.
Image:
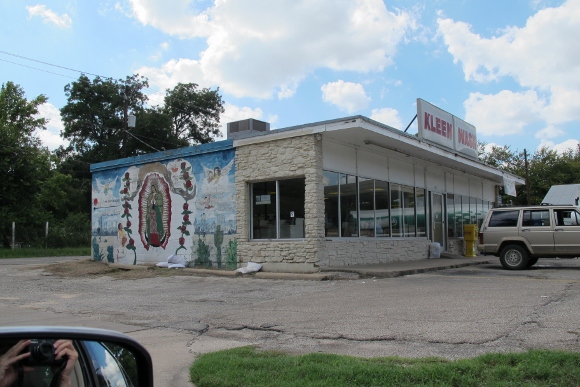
536,227
567,231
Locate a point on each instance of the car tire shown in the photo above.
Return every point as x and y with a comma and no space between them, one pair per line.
532,261
514,257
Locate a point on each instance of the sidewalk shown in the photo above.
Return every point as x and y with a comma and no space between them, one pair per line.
384,270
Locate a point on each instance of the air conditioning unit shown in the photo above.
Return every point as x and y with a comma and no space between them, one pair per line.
247,128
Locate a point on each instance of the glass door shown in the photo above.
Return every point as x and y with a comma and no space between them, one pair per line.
437,220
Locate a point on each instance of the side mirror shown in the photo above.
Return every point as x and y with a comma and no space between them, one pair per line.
105,358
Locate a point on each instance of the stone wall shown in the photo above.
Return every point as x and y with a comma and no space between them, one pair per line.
281,159
370,252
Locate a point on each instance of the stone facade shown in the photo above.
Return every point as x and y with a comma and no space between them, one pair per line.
373,251
293,157
301,156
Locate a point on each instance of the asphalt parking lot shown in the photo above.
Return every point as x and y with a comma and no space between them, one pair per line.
453,313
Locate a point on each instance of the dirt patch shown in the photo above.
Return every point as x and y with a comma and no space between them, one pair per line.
91,268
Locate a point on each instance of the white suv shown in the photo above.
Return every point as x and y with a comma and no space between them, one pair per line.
521,235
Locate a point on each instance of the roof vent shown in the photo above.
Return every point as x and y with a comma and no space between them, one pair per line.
246,128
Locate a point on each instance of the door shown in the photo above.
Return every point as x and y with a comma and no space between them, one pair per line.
437,219
567,231
537,229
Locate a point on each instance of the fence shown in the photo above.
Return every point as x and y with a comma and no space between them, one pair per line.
49,236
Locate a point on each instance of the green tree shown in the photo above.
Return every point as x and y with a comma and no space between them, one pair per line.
194,113
24,163
94,116
545,169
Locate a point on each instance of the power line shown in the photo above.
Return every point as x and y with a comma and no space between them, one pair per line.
50,64
85,72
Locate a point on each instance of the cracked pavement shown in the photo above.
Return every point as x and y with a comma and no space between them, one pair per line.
452,313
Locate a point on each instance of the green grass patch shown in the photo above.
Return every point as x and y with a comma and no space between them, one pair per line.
32,252
248,366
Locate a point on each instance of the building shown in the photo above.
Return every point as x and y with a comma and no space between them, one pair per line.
566,194
340,192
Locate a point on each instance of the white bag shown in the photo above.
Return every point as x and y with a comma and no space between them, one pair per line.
176,259
435,250
252,267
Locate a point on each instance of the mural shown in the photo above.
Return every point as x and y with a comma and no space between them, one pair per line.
184,206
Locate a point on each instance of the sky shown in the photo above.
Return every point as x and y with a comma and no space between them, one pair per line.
510,68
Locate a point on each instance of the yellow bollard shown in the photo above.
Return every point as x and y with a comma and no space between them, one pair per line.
470,236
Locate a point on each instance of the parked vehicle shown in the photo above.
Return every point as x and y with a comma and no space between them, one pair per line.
521,235
97,358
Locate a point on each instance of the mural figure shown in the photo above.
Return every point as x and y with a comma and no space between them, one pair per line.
154,221
106,188
122,237
154,212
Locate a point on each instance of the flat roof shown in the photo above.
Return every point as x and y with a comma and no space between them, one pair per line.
364,133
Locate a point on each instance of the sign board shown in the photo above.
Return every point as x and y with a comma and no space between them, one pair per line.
466,138
445,129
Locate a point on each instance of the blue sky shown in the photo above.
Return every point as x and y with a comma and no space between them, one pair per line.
511,68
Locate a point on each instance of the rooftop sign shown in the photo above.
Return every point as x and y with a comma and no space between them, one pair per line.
445,129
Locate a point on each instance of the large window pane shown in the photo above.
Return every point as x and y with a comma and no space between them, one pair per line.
409,211
472,211
332,220
366,189
291,194
348,206
396,210
421,220
451,226
382,208
458,216
480,212
264,210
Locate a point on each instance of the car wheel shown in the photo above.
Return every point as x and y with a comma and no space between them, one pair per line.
514,257
532,261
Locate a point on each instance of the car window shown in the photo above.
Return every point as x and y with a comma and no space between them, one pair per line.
504,219
567,217
535,218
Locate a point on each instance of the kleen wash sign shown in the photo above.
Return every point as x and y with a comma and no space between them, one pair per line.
440,127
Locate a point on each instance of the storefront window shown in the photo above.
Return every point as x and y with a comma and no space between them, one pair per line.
331,191
367,206
421,222
348,206
396,210
382,208
409,220
278,209
264,210
291,210
472,211
451,226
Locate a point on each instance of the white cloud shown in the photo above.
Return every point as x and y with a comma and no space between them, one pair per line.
261,48
542,56
387,116
51,136
346,95
49,16
561,147
504,113
549,132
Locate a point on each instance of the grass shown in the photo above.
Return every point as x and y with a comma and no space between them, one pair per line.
32,252
248,366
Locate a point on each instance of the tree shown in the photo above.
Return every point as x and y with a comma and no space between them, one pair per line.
195,114
94,116
24,163
546,168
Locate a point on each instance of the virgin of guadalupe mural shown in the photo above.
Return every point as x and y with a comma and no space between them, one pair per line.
154,212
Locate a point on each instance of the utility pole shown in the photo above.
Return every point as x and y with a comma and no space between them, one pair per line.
527,177
125,112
